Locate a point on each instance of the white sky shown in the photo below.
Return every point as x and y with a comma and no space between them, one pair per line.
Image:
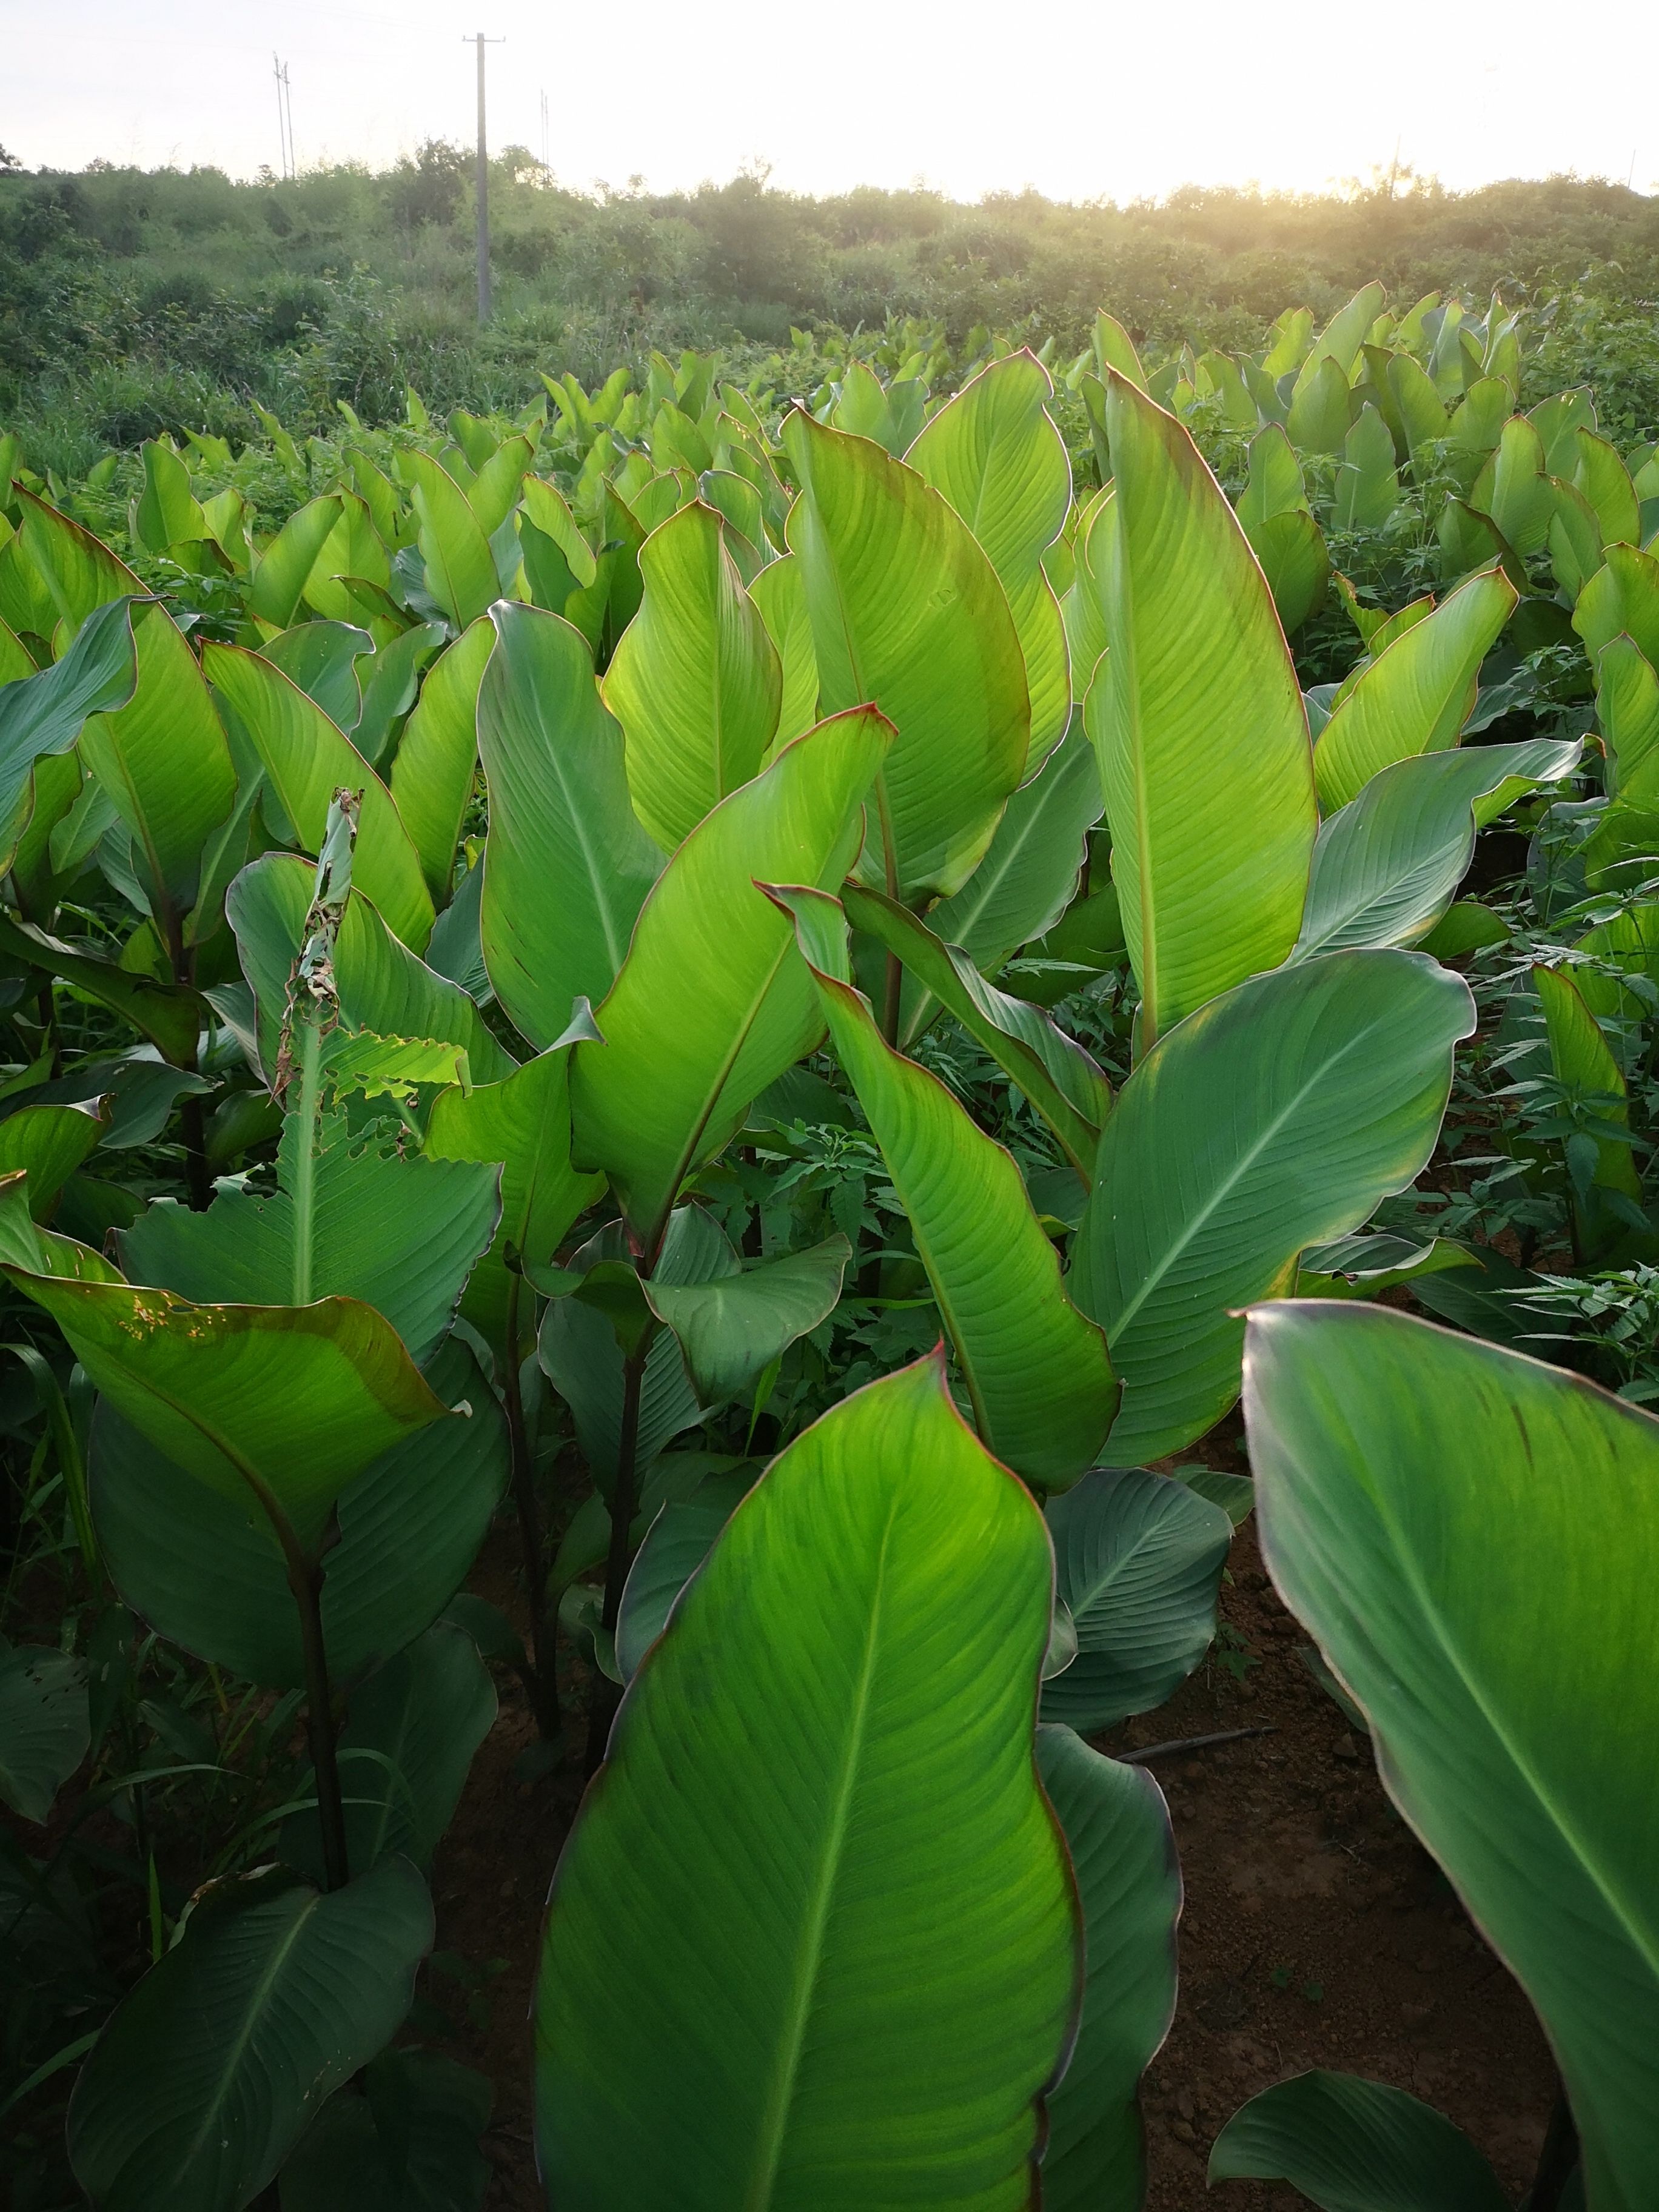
1080,97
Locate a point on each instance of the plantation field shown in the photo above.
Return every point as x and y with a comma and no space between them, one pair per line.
850,1146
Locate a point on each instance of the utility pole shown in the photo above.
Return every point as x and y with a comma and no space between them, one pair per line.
284,116
481,42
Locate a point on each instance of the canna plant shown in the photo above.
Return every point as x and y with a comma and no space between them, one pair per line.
623,876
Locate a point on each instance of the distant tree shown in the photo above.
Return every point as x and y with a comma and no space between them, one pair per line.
428,189
9,164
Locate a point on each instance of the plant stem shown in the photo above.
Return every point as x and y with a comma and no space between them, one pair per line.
46,1004
305,1165
543,1681
1557,2162
893,1001
607,1694
305,1579
193,1129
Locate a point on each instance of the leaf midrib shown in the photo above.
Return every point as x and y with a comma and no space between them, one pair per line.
233,2056
809,1952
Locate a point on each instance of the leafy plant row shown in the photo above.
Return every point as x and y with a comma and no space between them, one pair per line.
794,930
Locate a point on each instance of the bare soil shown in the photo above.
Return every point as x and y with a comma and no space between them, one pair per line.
1316,1931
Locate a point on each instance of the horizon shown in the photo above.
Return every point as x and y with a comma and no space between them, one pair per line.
178,84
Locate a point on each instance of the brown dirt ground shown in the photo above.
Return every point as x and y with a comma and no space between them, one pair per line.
1317,1931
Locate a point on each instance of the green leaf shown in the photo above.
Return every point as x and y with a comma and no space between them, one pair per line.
432,776
1355,2146
280,1405
207,1576
1605,481
733,1326
1386,864
676,1545
759,2003
81,572
1417,693
1367,483
1277,1117
1138,1560
48,1143
1622,597
394,678
44,1729
567,865
1295,561
780,596
1036,1373
582,1358
994,454
166,512
1117,1832
163,760
1504,1706
1627,715
383,986
695,681
460,568
284,568
210,2071
353,1217
43,716
321,658
524,1122
1055,1072
1199,726
714,1001
908,613
410,1733
308,760
1028,875
1513,487
1586,1069
172,1015
408,2144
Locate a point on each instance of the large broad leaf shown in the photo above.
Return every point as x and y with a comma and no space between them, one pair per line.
1138,1560
44,1729
714,1001
758,2001
523,1122
81,573
1627,715
206,1576
1387,864
567,865
994,452
1117,1831
676,1545
410,1732
1505,1705
383,986
409,2143
1027,878
908,612
1198,725
1036,1373
163,760
460,568
210,2072
582,1358
43,716
47,1143
732,1327
1622,598
1415,697
353,1216
308,760
1355,2146
1055,1073
695,681
432,776
780,596
321,658
1277,1117
276,1406
285,566
170,1014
